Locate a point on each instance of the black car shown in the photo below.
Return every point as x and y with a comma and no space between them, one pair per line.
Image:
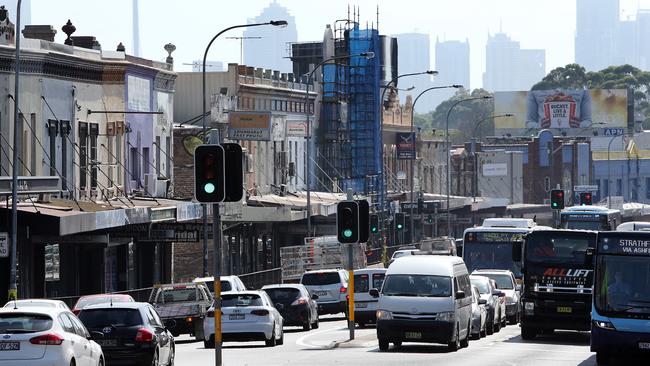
133,333
295,304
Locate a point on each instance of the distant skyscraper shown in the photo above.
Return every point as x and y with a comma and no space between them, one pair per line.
270,51
414,56
596,33
136,28
452,63
508,67
26,11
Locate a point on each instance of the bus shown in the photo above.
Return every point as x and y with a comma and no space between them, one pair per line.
557,281
621,303
597,218
490,246
634,226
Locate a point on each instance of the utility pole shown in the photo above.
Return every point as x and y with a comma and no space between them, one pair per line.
241,46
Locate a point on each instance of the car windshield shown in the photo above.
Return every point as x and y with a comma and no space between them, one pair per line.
177,294
558,248
24,322
403,253
362,281
478,255
320,278
482,285
503,281
241,300
417,285
86,301
283,295
583,225
115,317
623,285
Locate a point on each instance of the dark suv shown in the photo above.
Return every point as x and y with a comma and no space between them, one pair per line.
132,333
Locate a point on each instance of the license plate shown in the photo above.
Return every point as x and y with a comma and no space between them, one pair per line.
564,309
107,342
320,293
412,335
236,316
361,305
9,346
644,345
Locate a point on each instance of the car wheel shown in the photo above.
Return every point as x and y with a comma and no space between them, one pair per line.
383,345
483,333
281,340
398,344
306,326
528,333
497,325
314,325
465,342
504,321
208,343
101,362
454,345
155,361
172,356
602,358
73,362
271,342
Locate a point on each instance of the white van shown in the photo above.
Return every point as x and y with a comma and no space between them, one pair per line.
425,298
365,306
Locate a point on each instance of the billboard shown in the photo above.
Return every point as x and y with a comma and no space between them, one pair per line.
251,126
560,109
405,145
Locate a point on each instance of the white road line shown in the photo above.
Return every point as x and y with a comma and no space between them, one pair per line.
301,341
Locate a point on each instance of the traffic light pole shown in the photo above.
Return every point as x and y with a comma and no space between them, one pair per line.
351,280
216,240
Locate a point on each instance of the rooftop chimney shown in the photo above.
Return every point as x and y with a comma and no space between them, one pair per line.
44,32
89,42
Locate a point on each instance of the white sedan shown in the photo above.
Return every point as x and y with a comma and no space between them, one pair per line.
39,303
45,336
246,316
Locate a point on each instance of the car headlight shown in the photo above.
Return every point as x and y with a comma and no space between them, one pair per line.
446,316
603,324
384,315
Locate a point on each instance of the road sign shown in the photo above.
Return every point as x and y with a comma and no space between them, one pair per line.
4,245
585,188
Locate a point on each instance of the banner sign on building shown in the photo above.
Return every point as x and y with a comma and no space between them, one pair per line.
405,145
561,109
31,185
495,170
252,126
296,128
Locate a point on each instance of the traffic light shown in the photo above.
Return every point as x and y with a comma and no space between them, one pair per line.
585,198
347,222
364,221
234,172
209,185
430,219
374,224
557,199
399,221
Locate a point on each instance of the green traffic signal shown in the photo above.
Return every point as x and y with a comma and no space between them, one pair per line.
374,229
208,188
347,233
399,226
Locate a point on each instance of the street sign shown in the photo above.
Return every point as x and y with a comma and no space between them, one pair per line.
613,131
4,245
427,206
405,145
585,188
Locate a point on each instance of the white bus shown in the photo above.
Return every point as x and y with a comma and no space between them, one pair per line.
597,218
634,226
490,246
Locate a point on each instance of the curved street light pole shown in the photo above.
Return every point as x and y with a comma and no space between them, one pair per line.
368,55
448,146
457,86
609,145
216,219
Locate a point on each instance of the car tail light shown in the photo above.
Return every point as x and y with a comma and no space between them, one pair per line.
210,314
300,301
50,339
144,335
343,290
261,312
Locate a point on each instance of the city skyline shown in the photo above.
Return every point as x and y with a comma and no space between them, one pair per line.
512,17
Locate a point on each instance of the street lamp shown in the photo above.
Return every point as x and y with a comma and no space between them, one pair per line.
609,145
216,220
475,180
457,86
367,55
484,97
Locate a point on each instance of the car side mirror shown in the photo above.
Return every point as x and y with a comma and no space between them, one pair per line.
516,251
501,294
482,301
460,295
96,335
279,307
314,297
374,292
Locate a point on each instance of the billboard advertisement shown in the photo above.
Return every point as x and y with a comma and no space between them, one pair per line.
561,109
405,145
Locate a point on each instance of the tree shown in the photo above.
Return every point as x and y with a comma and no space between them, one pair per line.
572,76
466,115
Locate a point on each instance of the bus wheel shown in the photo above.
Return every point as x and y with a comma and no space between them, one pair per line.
528,333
